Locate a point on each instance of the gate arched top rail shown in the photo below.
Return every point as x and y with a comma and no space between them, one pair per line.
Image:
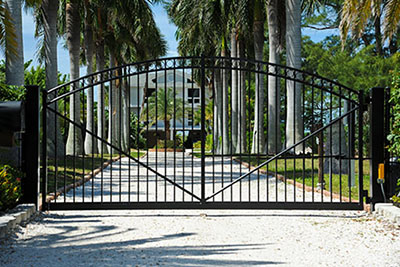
289,73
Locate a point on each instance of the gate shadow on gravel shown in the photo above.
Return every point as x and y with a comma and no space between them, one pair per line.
64,247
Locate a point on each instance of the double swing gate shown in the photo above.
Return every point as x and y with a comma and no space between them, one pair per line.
202,133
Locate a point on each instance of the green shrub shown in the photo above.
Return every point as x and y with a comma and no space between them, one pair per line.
170,144
10,187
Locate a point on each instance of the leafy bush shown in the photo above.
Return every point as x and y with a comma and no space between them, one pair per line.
10,187
170,144
394,136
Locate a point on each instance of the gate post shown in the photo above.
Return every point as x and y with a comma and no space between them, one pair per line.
30,150
377,141
44,151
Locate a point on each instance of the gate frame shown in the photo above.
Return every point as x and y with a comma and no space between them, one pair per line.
204,204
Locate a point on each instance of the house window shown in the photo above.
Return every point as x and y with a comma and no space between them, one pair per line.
193,95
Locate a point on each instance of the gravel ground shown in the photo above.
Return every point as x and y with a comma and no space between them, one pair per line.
199,238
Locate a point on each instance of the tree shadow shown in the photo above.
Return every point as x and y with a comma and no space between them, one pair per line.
77,245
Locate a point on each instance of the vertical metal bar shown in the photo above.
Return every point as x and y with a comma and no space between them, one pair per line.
147,132
83,140
138,106
128,120
110,114
165,129
65,154
215,136
231,65
322,181
249,116
174,132
340,144
360,150
92,135
120,80
304,146
192,82
240,122
203,133
286,112
55,154
330,147
72,99
44,151
313,128
156,122
183,126
294,141
102,141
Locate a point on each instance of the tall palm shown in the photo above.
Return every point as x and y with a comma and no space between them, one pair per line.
7,31
46,19
131,35
356,14
163,108
258,145
15,62
294,118
276,26
74,144
90,147
206,35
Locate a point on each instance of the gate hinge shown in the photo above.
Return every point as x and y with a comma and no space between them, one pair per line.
367,198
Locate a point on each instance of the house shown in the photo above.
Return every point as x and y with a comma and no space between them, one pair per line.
144,85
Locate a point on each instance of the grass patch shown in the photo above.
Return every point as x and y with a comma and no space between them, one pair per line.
72,169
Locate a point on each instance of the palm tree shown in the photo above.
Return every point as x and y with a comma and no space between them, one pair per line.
46,16
205,36
163,108
258,145
73,19
294,118
275,32
15,62
90,147
7,31
356,14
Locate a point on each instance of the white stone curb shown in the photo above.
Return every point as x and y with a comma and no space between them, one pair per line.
389,211
20,214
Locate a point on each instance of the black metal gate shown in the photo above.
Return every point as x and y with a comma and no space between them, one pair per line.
202,133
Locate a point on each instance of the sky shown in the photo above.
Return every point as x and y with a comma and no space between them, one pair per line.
166,27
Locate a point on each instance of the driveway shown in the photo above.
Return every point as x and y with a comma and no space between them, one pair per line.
203,238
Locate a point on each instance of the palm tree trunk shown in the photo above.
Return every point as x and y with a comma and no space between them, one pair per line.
258,145
113,129
241,140
74,140
294,119
225,108
50,15
15,63
217,111
101,125
274,134
125,116
90,147
234,90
